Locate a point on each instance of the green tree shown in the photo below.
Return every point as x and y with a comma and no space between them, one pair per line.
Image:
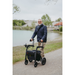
33,24
58,20
23,22
60,29
46,20
18,22
15,8
14,23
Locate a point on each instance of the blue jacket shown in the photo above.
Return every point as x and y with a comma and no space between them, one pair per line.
41,34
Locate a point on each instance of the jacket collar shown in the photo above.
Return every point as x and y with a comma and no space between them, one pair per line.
41,24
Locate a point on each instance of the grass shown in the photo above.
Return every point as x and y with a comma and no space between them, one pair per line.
19,51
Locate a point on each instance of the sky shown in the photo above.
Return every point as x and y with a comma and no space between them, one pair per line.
35,9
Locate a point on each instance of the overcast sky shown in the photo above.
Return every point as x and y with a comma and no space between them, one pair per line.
35,9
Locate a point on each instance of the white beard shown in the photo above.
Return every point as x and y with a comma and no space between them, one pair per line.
39,24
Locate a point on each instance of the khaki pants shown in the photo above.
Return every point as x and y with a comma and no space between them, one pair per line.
42,49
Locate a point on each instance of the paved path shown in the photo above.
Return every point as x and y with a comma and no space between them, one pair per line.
53,65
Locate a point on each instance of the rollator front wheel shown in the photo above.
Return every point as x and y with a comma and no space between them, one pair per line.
43,61
26,62
35,64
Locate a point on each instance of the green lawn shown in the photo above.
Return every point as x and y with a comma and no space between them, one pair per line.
19,51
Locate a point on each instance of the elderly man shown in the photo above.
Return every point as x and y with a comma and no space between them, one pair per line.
41,32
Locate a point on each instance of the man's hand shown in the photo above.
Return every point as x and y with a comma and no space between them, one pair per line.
41,40
31,39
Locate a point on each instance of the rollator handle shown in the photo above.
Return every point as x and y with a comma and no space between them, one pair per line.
40,47
33,41
40,41
28,46
30,40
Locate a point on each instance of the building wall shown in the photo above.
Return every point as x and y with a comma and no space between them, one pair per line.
57,27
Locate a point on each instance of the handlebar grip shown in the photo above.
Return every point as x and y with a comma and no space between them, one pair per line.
39,40
25,45
28,45
30,40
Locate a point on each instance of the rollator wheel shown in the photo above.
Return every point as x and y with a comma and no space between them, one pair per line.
35,64
26,62
30,60
43,61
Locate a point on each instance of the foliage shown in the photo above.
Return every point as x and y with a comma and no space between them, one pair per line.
58,20
60,29
46,20
33,24
15,8
18,22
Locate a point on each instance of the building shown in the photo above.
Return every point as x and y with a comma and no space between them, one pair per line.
57,25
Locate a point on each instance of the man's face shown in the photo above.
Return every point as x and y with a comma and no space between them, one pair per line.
39,22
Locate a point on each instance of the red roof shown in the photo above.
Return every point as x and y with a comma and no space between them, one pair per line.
60,23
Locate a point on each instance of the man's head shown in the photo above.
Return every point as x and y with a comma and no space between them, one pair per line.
39,21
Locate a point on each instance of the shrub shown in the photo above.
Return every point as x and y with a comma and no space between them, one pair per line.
22,28
18,23
60,29
33,24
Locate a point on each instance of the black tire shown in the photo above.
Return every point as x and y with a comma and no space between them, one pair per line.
26,62
35,64
43,61
30,60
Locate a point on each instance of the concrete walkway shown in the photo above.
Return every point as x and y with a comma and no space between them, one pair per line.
53,65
